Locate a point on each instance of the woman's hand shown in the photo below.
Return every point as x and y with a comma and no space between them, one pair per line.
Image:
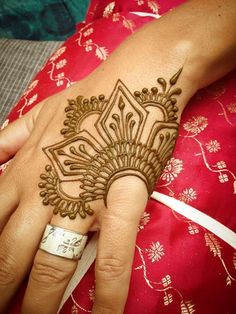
95,172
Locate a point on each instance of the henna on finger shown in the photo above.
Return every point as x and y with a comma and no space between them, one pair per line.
106,139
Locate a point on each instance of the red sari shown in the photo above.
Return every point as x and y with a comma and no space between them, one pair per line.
179,266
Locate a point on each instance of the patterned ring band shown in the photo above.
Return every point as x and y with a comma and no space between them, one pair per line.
63,242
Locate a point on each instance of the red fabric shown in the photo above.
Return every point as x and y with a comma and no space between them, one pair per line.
179,267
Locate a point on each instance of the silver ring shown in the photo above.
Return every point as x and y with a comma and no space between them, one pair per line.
63,242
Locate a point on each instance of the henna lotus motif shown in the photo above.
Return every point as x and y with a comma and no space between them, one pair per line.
124,139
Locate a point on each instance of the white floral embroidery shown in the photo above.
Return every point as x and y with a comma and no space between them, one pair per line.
5,124
58,53
232,108
109,9
171,193
101,53
88,45
88,32
33,84
140,2
167,288
61,64
223,178
129,24
88,48
213,146
155,252
221,164
116,17
89,41
166,281
74,309
61,75
187,307
196,124
60,78
188,195
193,229
92,294
59,83
77,308
168,298
234,260
144,220
172,169
213,243
216,249
30,87
228,281
32,99
153,6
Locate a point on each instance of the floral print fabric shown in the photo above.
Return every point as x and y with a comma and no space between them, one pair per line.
179,267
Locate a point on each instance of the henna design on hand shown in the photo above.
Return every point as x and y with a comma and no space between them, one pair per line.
129,135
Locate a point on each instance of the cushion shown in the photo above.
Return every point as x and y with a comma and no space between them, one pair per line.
40,19
20,60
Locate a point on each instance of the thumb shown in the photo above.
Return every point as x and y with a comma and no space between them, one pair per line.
13,137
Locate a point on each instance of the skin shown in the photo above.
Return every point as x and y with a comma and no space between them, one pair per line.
118,144
179,42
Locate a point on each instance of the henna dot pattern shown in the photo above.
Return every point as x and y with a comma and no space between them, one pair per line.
128,135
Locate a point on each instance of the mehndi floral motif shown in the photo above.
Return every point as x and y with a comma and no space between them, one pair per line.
129,135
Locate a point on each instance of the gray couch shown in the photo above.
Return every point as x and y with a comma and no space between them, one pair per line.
20,60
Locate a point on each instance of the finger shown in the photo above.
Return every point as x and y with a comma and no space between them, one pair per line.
9,199
116,244
51,274
13,137
18,245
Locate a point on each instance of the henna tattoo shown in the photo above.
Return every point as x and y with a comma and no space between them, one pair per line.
124,138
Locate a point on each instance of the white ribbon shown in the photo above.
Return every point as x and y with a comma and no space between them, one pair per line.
223,232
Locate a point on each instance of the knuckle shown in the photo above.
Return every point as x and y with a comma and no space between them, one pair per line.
105,309
110,268
4,152
8,269
46,273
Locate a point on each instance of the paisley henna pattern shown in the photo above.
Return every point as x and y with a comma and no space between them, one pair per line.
124,138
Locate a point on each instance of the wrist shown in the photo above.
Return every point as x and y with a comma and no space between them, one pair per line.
208,31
